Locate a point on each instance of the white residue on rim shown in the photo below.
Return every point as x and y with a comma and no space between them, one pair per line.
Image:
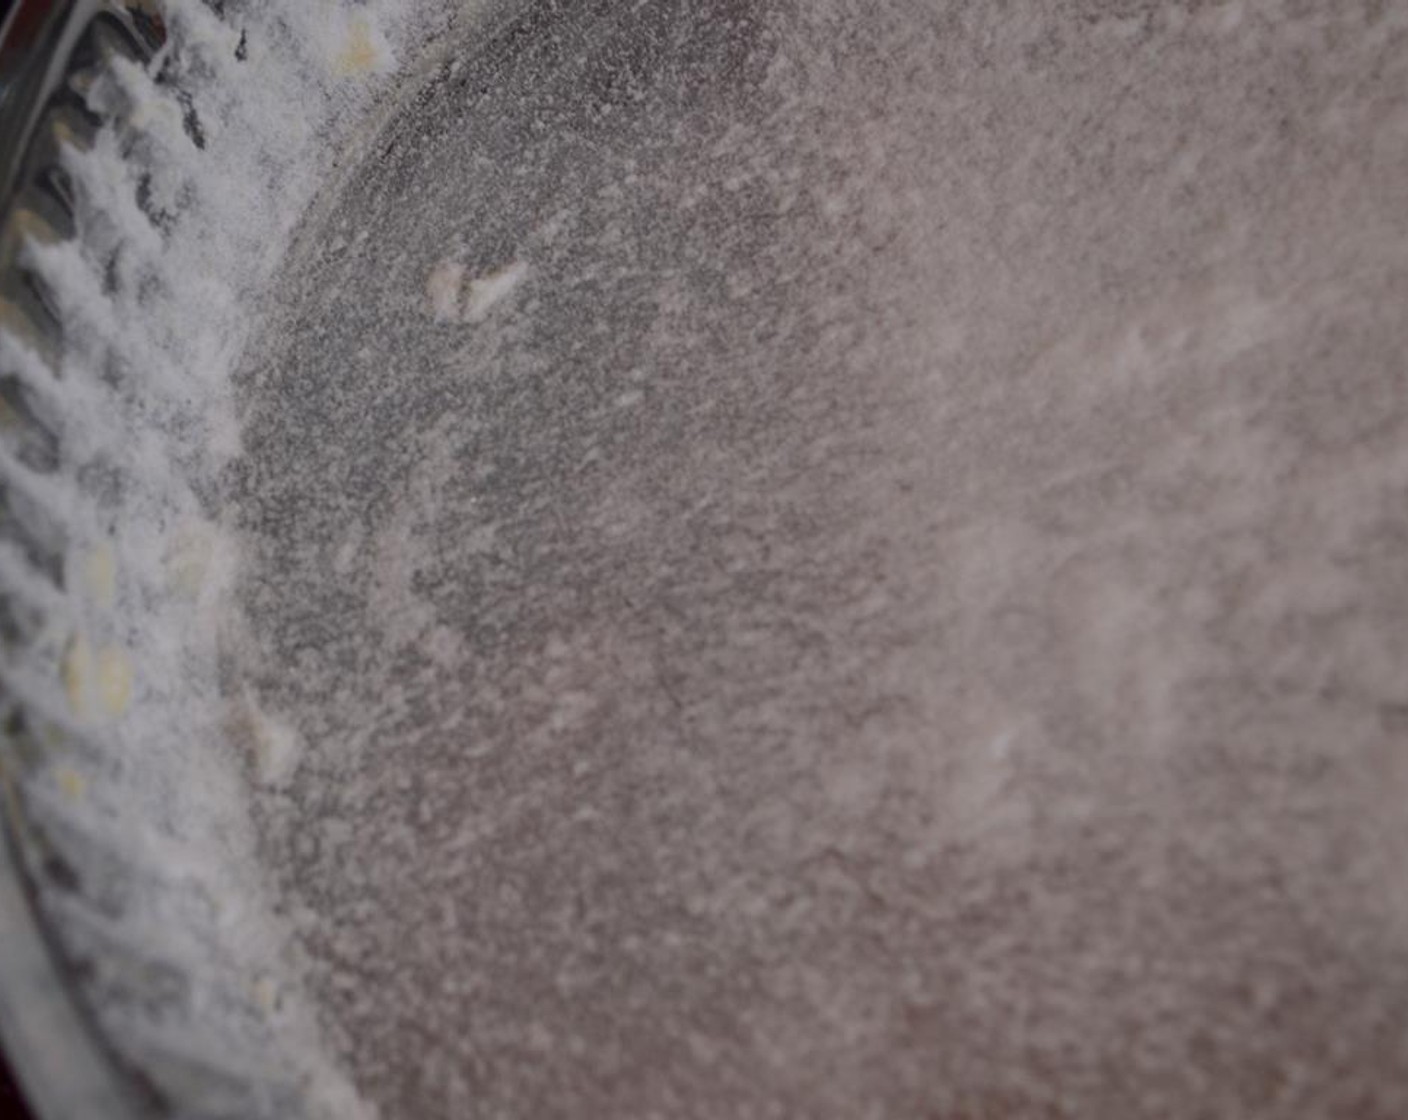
158,301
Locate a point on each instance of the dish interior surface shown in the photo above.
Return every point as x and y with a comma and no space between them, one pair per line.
846,560
757,558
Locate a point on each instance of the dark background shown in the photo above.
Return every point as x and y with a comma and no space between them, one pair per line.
11,1106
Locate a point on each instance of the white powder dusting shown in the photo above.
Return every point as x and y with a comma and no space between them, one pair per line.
452,299
487,292
442,288
835,699
277,747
